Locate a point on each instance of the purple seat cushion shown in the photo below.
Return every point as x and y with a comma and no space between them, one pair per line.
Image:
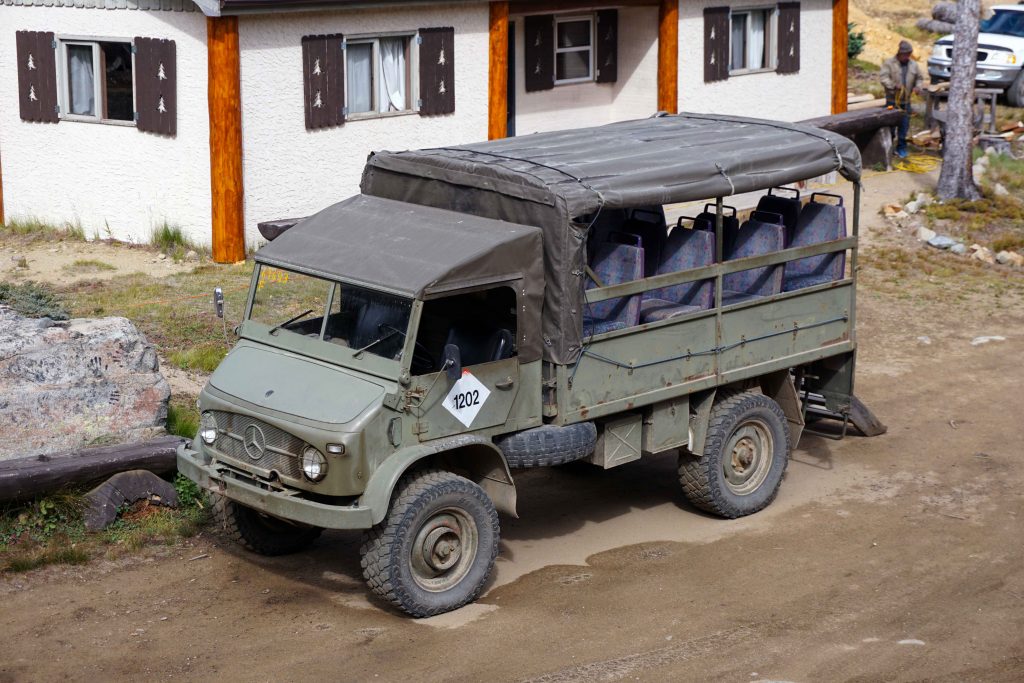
653,310
753,239
818,223
615,264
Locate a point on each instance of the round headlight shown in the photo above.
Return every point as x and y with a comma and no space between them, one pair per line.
314,465
208,428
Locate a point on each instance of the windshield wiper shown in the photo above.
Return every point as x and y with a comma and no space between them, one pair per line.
393,331
275,328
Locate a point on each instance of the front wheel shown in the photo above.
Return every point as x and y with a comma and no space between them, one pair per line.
745,455
261,533
435,549
1015,93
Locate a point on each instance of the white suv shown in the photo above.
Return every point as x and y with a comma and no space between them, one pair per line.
1000,54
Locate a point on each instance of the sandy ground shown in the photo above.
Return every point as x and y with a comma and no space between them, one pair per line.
896,558
55,263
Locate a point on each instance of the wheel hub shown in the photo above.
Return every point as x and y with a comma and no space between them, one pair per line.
443,550
750,457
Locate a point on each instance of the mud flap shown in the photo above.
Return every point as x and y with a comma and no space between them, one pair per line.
827,390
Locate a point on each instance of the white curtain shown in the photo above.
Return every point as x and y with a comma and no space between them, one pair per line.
755,48
81,81
360,78
738,42
392,68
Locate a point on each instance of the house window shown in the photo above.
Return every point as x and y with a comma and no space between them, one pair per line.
96,81
574,49
379,73
751,47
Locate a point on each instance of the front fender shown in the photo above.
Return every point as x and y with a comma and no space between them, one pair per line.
474,457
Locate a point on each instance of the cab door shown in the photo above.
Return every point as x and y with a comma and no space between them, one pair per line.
482,325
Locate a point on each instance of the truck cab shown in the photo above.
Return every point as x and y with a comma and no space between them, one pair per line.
1000,55
482,309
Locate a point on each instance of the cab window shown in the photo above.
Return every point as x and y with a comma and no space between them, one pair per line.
481,324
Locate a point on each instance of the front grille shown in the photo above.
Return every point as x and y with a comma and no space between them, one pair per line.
281,451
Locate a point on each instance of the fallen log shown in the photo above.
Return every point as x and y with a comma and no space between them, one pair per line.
945,11
854,123
22,478
935,26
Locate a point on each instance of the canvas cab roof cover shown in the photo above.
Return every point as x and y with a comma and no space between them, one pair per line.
560,181
416,251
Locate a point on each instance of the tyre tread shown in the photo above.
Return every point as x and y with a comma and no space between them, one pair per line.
695,473
379,559
233,523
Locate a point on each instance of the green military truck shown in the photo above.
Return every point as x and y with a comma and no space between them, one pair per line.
521,303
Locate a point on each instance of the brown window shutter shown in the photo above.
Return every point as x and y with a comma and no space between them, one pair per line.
716,44
789,38
37,76
539,52
323,80
156,86
607,46
437,71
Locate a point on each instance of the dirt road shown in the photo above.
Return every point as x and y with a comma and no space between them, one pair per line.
899,558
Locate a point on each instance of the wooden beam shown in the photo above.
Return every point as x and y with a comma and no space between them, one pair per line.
497,73
668,56
224,92
22,478
549,6
840,54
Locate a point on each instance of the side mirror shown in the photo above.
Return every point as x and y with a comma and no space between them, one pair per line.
452,362
218,302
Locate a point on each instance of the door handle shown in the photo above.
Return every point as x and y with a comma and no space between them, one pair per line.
505,384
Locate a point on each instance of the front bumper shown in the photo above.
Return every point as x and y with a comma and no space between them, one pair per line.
287,504
994,76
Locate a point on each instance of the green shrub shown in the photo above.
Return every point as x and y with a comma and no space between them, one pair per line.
857,41
33,300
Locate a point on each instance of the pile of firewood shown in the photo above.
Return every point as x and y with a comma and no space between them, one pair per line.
943,18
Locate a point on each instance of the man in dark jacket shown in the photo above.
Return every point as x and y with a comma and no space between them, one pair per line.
900,77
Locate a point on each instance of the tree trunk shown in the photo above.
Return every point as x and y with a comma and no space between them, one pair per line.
956,180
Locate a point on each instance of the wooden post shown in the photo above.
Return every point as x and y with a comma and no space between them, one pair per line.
668,56
840,54
2,219
497,73
225,105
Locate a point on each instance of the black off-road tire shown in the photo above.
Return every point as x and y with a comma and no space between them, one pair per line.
1015,93
704,479
258,532
548,445
420,498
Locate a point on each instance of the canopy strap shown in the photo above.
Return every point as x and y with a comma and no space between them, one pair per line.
732,188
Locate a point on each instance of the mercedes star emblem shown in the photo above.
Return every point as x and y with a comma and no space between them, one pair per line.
254,441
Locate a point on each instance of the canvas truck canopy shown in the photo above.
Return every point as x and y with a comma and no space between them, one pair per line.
560,181
417,251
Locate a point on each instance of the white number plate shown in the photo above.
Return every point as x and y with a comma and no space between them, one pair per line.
466,398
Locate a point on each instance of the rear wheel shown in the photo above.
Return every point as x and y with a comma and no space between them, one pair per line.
435,549
1015,93
261,533
745,456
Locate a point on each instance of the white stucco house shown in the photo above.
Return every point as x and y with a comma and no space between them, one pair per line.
123,115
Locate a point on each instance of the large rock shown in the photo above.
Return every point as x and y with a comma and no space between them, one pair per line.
70,384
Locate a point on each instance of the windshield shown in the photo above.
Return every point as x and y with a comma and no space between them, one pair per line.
1007,23
362,319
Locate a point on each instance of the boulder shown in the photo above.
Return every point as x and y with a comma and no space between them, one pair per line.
65,385
924,234
1010,258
